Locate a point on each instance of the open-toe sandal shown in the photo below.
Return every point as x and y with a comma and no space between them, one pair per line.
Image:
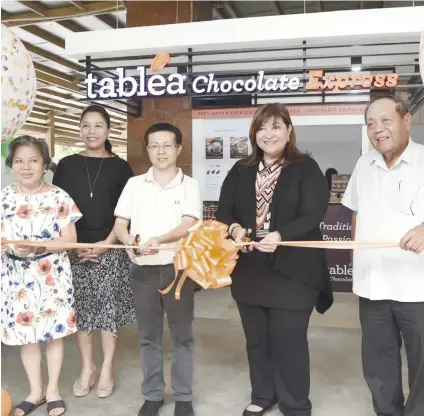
28,407
56,404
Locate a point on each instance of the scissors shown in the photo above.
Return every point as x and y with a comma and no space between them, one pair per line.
136,243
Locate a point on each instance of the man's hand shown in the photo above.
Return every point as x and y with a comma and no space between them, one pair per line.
414,240
148,248
273,237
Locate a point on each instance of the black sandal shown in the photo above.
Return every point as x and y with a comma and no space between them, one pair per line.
28,407
56,404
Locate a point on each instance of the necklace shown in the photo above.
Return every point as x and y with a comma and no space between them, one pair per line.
28,194
89,180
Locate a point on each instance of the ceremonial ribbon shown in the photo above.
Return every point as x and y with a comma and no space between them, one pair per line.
206,256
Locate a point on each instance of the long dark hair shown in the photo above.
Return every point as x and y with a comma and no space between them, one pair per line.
264,113
100,110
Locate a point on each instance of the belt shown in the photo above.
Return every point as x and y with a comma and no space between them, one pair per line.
34,258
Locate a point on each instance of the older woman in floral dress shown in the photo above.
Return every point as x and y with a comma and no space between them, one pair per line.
36,285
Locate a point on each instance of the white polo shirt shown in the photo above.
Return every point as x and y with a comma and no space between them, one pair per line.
389,203
154,210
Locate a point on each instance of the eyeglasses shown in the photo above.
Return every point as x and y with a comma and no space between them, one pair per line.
166,147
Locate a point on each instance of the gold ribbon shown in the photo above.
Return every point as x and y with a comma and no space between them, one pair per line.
206,257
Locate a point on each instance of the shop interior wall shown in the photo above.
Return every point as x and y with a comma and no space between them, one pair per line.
417,133
337,146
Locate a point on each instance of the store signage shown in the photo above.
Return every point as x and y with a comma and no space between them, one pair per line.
329,82
176,84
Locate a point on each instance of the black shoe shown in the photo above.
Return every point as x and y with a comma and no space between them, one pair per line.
252,413
150,408
183,409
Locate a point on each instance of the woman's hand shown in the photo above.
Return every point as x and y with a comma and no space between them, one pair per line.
24,251
273,237
3,249
239,235
91,254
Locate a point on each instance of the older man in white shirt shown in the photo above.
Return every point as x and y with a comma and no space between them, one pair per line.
386,193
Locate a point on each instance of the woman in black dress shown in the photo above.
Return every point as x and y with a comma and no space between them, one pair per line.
95,179
277,194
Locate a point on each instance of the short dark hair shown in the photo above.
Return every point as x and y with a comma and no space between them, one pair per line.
99,110
40,144
401,107
163,127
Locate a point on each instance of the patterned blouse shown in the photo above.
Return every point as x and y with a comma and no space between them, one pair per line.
266,179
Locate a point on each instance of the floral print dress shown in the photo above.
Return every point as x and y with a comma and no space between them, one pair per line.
36,295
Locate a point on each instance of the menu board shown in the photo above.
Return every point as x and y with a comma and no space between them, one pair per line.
338,187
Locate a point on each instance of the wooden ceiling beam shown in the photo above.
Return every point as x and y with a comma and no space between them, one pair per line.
73,26
35,7
231,10
50,71
45,35
78,4
42,107
49,79
28,126
39,14
59,102
277,7
65,96
52,57
112,21
38,116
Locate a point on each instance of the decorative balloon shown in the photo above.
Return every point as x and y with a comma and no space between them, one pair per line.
6,403
422,56
18,84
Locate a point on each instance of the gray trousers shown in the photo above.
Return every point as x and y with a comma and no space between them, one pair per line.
150,306
384,324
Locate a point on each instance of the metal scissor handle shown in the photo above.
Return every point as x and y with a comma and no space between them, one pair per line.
136,243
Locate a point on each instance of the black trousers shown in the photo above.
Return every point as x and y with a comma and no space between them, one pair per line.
384,324
278,354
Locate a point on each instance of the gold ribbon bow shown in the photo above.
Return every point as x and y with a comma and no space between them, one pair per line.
206,257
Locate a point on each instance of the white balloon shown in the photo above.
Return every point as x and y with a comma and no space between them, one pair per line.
18,84
422,56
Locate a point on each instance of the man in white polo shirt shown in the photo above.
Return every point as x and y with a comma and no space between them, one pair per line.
386,193
160,206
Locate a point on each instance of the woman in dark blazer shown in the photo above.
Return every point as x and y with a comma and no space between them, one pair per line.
277,194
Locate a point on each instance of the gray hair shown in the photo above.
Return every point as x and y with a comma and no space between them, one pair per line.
39,144
401,107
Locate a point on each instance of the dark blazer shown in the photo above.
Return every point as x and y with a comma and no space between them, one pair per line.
298,206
